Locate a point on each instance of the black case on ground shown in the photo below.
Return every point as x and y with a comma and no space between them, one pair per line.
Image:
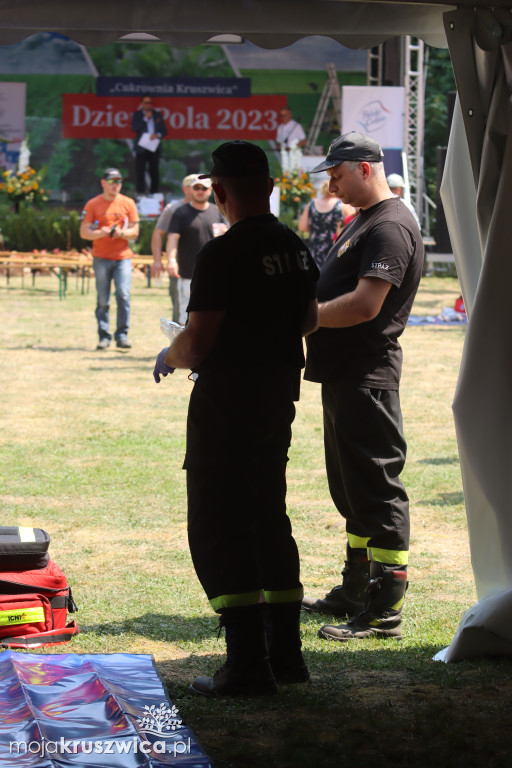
26,547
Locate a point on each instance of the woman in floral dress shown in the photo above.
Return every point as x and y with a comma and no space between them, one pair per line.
324,217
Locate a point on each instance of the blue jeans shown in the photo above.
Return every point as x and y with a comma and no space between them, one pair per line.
105,271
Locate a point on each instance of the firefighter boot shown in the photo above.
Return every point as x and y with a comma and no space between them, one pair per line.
247,671
284,643
347,598
382,616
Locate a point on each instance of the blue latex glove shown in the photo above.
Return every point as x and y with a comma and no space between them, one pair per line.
161,369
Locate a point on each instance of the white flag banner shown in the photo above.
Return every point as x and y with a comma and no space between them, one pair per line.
12,123
376,111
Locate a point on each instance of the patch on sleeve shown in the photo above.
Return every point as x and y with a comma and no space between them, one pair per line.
379,265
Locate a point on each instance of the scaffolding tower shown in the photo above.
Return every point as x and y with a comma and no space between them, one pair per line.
414,82
374,65
331,92
410,73
412,77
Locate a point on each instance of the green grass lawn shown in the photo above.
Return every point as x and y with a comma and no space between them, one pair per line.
92,452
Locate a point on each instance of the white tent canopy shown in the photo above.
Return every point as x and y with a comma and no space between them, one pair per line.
267,23
477,190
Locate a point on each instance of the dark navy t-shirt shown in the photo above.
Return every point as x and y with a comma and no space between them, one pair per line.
263,275
264,278
383,241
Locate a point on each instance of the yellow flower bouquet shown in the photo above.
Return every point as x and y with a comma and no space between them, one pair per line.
296,189
23,186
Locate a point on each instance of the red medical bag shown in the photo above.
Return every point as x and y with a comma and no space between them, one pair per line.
34,595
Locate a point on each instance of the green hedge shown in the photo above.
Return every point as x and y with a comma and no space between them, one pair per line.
33,229
143,244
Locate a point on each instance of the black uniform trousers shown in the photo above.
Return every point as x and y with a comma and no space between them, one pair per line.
150,159
239,532
365,453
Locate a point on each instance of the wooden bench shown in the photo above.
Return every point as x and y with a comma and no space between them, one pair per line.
61,265
58,264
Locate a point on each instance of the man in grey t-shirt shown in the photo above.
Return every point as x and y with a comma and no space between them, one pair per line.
192,225
157,241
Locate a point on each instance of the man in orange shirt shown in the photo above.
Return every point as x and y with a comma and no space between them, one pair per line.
110,220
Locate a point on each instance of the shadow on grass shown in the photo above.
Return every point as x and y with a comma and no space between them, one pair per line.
110,355
444,500
440,461
109,358
368,703
177,628
363,706
160,626
37,348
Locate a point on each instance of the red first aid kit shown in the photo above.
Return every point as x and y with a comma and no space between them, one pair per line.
35,597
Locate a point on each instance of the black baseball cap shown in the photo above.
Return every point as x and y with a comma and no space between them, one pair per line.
112,173
351,146
238,158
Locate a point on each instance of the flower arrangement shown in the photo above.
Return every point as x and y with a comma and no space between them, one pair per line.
296,190
23,186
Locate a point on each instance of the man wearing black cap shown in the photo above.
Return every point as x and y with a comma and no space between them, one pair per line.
110,220
252,299
366,289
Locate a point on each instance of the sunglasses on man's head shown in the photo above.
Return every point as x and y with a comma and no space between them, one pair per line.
114,181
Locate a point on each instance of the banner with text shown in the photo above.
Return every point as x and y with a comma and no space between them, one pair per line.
159,87
12,123
86,116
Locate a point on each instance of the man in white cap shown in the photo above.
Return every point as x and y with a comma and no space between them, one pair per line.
365,292
397,186
191,226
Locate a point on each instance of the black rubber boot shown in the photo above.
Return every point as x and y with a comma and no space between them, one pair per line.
284,643
382,616
247,671
348,598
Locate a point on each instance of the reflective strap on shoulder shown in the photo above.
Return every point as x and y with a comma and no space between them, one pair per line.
26,534
389,556
284,595
235,601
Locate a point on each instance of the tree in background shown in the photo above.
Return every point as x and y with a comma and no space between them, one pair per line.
160,60
439,82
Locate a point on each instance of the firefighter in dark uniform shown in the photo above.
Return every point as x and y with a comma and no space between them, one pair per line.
252,299
366,290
